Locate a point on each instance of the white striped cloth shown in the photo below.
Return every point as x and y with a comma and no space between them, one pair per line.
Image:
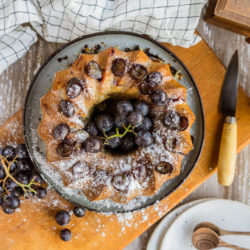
171,21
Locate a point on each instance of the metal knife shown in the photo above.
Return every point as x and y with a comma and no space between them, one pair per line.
228,101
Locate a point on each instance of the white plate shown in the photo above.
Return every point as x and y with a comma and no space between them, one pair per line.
227,214
156,238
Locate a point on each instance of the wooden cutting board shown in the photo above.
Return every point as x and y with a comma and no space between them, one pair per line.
34,227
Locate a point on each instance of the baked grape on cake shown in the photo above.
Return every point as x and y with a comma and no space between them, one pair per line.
116,125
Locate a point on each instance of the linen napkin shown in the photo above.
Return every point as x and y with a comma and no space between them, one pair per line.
171,21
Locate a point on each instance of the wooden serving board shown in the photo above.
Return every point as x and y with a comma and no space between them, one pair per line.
34,226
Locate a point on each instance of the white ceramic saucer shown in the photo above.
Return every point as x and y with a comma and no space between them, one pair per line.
227,214
158,234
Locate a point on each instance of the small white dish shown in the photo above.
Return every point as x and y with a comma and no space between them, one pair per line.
156,238
227,214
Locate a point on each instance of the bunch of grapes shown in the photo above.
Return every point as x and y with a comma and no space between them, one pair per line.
18,178
124,130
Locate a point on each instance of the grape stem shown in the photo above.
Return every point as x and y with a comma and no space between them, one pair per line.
25,187
128,129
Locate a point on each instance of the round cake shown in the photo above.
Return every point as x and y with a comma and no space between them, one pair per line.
116,125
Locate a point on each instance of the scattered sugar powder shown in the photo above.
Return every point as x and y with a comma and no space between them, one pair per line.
145,217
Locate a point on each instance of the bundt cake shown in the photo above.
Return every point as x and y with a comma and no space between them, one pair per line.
116,125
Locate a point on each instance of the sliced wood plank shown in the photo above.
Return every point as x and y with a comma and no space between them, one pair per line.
98,231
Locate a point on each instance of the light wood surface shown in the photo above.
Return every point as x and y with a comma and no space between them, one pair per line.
227,154
14,83
219,230
206,238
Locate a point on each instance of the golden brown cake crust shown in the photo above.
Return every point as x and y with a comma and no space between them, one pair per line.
97,91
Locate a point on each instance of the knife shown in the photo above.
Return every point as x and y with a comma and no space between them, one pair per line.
228,101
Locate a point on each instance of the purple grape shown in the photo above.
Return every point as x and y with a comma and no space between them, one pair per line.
37,178
128,143
120,121
74,88
22,178
154,77
12,202
67,108
159,97
164,168
79,211
184,123
119,66
141,107
147,88
8,152
170,143
65,234
121,182
41,192
7,209
146,125
138,72
113,142
2,172
174,121
140,173
62,218
13,167
10,184
135,118
104,122
94,70
80,170
29,195
18,191
144,138
93,144
65,148
24,165
61,131
91,129
21,151
123,108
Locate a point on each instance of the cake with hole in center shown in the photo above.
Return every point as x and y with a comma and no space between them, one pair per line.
116,125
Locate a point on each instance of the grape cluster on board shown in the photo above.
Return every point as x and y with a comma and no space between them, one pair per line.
18,178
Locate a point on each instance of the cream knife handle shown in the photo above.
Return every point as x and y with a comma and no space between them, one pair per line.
227,154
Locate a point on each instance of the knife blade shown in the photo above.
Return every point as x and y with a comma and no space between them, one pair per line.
228,101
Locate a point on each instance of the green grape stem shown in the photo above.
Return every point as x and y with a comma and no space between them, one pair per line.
26,187
128,129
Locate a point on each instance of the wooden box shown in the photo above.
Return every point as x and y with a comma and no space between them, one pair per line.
233,15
